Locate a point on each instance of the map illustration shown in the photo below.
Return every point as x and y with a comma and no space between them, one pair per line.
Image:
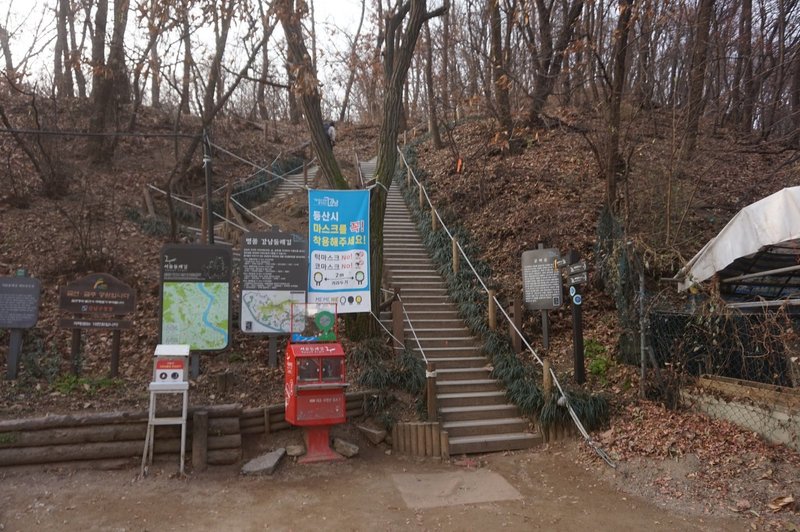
196,314
270,311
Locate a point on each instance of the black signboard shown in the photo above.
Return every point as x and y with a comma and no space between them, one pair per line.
541,279
274,276
99,293
195,296
19,302
274,261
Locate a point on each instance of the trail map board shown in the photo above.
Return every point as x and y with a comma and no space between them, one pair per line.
195,296
274,275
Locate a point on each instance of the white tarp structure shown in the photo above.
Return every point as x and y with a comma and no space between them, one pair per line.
772,220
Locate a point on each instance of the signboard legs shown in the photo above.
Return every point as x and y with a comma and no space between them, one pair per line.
76,351
273,351
14,349
577,325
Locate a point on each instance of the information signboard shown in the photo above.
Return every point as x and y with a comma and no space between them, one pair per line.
541,279
195,296
339,249
98,293
19,302
274,276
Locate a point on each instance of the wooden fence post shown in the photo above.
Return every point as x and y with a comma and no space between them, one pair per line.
516,315
398,323
434,220
200,441
456,255
492,311
433,407
421,196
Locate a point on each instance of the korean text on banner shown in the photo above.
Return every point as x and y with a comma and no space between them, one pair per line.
338,248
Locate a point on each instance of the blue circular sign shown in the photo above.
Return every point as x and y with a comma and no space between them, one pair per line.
572,291
577,299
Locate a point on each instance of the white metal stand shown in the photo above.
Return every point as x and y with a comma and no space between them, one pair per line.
157,388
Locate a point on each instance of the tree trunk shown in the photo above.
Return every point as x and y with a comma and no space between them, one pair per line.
76,51
549,55
433,121
697,75
63,65
500,79
795,138
745,121
306,84
5,45
613,158
188,62
353,60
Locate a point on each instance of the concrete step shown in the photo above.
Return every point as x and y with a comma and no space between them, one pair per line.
482,427
464,413
443,362
457,374
429,343
466,351
468,386
429,319
448,400
493,442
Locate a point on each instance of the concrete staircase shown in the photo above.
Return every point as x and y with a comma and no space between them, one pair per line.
286,187
472,406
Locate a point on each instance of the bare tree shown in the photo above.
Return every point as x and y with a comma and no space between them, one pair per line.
546,49
697,75
433,120
353,59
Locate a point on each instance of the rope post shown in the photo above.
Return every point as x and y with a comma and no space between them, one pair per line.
408,175
421,196
305,174
434,220
547,380
430,375
492,311
398,326
456,255
516,319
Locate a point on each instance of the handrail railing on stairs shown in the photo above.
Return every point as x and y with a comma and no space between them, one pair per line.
494,302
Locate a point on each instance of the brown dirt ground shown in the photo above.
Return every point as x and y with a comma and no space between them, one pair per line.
557,493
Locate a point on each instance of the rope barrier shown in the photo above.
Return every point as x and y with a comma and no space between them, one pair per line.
411,324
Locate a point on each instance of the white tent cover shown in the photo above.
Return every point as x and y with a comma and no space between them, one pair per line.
769,221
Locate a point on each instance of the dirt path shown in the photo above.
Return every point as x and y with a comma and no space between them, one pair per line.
546,490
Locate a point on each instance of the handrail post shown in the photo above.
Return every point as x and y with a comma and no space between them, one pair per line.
408,174
492,310
434,224
421,196
456,255
430,375
305,174
398,326
516,325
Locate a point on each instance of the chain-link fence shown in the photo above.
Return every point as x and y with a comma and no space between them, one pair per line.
698,352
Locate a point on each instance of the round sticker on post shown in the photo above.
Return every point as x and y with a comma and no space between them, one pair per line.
577,299
572,291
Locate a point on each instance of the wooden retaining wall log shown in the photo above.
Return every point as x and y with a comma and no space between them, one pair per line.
224,456
200,441
420,429
109,418
437,439
445,444
86,451
226,425
229,441
428,439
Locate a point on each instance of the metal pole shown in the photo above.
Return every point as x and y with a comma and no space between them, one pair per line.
577,325
207,167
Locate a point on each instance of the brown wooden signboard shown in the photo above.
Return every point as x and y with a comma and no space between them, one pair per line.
97,300
98,293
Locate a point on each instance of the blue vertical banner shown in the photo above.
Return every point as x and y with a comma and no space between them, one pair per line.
338,249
